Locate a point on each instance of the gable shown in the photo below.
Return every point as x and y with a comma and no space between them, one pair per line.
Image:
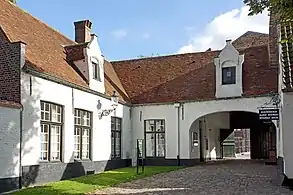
45,51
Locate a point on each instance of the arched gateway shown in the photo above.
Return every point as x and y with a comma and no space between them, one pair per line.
232,134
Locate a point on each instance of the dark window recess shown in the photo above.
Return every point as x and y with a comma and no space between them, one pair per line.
229,75
116,137
96,71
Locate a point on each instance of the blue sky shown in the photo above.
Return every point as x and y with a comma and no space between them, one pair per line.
129,28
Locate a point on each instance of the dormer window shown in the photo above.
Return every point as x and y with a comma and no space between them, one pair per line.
229,75
229,72
96,71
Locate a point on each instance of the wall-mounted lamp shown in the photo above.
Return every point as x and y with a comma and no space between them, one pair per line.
114,104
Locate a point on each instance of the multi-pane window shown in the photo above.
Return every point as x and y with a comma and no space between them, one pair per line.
229,75
155,138
51,130
82,134
115,137
96,71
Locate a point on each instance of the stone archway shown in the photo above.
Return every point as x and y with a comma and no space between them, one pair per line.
209,134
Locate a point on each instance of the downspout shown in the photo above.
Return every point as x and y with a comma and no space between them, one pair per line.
20,148
177,105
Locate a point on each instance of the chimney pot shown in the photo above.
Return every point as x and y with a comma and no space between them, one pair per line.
228,41
83,31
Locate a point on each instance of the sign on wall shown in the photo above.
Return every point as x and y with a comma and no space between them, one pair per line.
269,114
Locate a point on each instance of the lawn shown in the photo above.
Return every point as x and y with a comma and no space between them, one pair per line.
89,183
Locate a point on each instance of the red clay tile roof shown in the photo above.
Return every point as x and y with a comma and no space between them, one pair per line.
250,39
113,83
44,50
75,52
191,76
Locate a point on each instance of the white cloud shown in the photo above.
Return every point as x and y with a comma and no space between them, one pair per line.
119,34
146,35
229,25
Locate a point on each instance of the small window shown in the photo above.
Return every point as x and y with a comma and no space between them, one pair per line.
96,71
194,138
229,75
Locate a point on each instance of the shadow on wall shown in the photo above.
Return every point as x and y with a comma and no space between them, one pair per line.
30,127
17,140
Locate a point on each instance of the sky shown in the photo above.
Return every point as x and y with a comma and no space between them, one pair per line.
130,28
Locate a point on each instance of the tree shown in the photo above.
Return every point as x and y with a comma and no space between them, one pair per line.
282,10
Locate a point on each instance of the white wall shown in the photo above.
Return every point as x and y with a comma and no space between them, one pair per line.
192,111
9,142
69,98
287,132
94,54
212,124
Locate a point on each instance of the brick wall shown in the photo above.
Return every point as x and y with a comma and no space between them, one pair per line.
273,41
10,68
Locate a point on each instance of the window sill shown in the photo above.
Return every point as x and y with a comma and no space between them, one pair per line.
154,157
82,160
47,161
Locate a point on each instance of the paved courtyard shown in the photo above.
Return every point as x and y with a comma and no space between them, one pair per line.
223,178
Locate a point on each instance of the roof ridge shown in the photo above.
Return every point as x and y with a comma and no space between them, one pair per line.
164,56
247,32
40,21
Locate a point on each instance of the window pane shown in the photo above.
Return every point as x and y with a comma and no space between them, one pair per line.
160,125
55,142
94,70
150,144
44,141
77,117
45,111
160,144
228,75
47,107
56,113
112,144
77,143
150,125
112,125
118,127
85,144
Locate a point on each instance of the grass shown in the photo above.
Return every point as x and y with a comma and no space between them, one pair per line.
90,183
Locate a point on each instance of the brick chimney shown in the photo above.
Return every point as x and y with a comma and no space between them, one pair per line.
82,31
273,41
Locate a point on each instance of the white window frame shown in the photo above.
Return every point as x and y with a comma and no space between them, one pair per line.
151,128
51,153
82,143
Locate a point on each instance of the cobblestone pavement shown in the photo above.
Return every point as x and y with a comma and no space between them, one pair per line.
224,178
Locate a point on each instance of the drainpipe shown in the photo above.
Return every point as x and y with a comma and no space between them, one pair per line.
20,149
177,105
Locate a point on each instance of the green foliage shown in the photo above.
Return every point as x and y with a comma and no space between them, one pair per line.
90,183
281,8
